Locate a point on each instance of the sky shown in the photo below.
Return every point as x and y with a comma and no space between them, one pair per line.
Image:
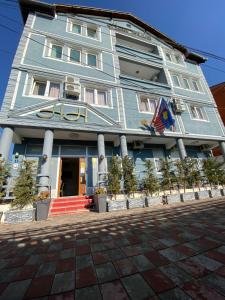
196,23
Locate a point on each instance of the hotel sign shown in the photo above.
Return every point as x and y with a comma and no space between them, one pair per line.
131,32
59,110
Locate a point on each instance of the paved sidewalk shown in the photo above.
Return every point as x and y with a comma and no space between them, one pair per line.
168,252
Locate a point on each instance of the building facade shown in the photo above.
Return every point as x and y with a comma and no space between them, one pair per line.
85,82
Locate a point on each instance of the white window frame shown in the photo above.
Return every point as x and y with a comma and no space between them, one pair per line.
197,113
84,27
50,51
178,79
198,85
149,98
184,78
107,92
156,167
167,53
98,59
70,23
73,61
45,96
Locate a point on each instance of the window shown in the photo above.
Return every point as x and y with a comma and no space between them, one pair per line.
56,51
92,60
158,165
168,57
101,98
178,59
195,85
39,88
91,32
95,96
197,112
89,96
74,55
147,104
46,88
76,28
175,80
186,83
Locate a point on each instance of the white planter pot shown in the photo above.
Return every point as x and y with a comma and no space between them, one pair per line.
135,203
153,200
173,198
202,194
215,193
117,205
190,196
19,216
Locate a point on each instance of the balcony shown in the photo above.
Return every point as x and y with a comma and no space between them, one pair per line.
135,44
142,72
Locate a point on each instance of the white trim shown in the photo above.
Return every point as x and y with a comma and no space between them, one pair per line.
158,159
15,90
69,74
25,48
149,98
125,121
117,102
34,19
197,119
108,93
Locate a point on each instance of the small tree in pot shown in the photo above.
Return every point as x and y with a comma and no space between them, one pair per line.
23,192
114,175
24,188
213,172
150,183
129,177
4,174
168,175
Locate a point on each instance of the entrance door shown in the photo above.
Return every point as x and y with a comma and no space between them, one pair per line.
72,177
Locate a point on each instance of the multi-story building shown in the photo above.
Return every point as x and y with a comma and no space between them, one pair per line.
82,82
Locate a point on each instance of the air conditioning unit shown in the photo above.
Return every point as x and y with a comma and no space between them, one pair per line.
138,145
179,105
72,86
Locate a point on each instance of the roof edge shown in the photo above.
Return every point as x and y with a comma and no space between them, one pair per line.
27,6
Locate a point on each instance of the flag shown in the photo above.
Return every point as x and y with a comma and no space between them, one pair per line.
162,117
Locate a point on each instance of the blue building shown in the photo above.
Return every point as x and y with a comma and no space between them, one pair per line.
83,83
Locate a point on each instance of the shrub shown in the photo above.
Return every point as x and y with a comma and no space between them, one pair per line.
114,175
24,186
129,177
150,181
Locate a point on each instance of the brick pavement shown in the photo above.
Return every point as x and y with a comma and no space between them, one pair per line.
166,252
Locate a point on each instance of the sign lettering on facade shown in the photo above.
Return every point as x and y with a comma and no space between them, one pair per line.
131,32
72,116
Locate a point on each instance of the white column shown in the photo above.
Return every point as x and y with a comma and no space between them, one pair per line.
6,142
101,158
44,181
123,146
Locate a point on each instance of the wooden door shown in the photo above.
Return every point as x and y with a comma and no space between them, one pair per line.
82,176
60,179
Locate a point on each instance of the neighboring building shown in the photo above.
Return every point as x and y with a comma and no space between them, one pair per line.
82,81
218,92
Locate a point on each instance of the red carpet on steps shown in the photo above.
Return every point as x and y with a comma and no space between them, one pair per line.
70,205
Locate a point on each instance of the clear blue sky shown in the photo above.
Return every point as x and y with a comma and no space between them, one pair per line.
196,23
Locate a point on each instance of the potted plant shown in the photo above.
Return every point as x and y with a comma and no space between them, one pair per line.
150,184
23,191
130,183
100,199
187,176
114,185
168,180
213,172
42,204
4,174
